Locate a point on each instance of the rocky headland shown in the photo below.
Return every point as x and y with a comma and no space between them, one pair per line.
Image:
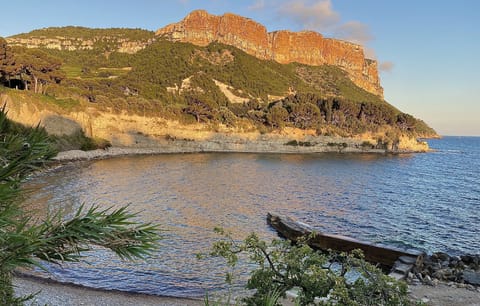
135,134
328,100
306,47
201,28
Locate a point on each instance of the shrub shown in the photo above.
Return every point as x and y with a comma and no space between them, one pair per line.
367,145
326,278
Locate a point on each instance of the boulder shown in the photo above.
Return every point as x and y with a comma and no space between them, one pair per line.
471,277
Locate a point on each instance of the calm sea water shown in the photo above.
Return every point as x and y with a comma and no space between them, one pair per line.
424,201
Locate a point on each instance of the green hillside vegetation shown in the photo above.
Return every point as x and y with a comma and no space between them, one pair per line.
177,81
83,33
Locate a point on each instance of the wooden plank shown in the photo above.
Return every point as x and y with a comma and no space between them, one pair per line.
381,254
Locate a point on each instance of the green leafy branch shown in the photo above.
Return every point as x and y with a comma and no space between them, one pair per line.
324,278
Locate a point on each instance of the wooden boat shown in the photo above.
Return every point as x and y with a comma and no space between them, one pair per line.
400,261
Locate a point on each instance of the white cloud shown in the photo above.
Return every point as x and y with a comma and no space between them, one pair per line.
385,66
318,16
257,5
354,31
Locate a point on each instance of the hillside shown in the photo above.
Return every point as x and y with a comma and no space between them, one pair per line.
215,88
305,47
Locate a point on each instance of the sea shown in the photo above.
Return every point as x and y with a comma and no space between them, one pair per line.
425,201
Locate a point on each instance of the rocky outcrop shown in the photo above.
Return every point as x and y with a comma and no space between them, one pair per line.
464,269
306,47
122,45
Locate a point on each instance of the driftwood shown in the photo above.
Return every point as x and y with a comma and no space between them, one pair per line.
399,260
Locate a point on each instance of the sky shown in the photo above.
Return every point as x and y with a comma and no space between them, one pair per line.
428,50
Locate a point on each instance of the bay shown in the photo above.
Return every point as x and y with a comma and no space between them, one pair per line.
426,201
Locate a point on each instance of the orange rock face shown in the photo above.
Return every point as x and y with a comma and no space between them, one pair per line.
306,47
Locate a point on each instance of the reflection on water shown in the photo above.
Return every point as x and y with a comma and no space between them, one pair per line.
413,200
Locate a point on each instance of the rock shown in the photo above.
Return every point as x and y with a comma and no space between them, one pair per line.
427,261
402,268
415,282
442,274
467,259
397,276
440,256
454,261
428,280
419,277
408,259
471,277
306,47
120,42
425,300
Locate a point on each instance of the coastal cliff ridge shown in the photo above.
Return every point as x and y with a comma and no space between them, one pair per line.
306,47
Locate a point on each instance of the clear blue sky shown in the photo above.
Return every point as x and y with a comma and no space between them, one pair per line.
429,50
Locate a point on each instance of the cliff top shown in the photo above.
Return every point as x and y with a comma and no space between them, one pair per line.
205,14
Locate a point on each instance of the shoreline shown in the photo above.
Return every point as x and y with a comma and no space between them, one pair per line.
53,293
186,147
56,293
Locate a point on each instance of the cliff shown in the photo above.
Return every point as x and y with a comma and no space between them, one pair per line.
80,39
306,47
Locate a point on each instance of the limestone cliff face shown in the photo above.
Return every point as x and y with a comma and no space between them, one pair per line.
123,45
306,47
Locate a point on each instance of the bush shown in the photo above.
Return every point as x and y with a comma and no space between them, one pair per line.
326,278
367,145
78,141
297,143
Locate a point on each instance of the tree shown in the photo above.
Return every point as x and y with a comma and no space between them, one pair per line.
5,60
3,49
282,266
201,110
56,239
32,66
406,122
276,116
305,115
